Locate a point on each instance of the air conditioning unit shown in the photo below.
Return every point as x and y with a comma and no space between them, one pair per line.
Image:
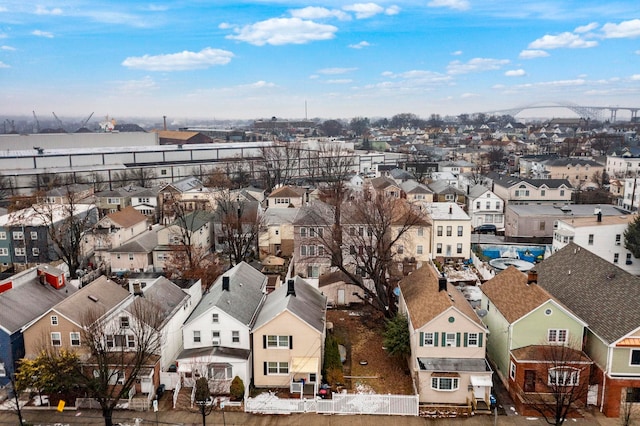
215,342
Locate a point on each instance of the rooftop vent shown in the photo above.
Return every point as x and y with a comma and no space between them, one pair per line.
225,283
291,288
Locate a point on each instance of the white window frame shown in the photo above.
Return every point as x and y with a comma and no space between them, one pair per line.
3,235
437,383
4,251
569,376
277,368
34,235
631,363
54,320
512,370
450,339
215,318
35,251
428,339
473,339
235,336
557,335
277,342
56,339
19,251
197,338
74,338
18,235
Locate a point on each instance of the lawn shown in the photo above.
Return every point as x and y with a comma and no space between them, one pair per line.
368,367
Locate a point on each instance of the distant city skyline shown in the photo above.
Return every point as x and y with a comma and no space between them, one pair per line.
256,59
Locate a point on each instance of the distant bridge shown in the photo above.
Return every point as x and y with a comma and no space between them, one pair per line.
590,112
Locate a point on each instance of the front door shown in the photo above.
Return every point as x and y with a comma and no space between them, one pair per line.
529,380
341,299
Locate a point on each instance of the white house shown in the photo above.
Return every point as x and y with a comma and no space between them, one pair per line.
485,207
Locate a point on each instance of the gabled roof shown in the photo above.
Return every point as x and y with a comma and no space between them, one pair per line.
308,304
185,184
413,187
194,220
166,296
215,351
143,243
102,294
444,187
383,182
424,301
288,191
241,301
603,295
21,305
123,191
477,191
127,217
512,296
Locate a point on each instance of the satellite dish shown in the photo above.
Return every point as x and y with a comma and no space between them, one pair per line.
482,313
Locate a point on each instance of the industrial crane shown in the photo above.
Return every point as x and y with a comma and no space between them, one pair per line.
84,123
37,122
58,121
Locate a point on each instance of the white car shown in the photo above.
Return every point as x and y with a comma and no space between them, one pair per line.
472,293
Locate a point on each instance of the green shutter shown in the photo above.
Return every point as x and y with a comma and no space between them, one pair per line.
421,338
444,339
435,339
480,339
458,340
466,337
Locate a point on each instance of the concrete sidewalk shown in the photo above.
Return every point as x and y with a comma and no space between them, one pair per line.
187,418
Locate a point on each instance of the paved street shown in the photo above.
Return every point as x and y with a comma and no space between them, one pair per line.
93,417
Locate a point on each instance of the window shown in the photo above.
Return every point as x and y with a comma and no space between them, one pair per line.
563,376
4,251
19,251
313,271
235,336
616,257
477,205
557,335
439,248
618,238
278,368
633,395
303,250
542,226
320,250
472,339
439,231
449,231
303,232
488,205
18,235
428,339
312,250
34,235
459,248
3,235
278,342
420,232
512,370
35,251
215,318
562,192
3,371
215,337
635,357
124,322
312,232
542,192
590,239
460,230
56,339
320,232
450,339
220,371
54,320
75,338
131,341
498,205
400,249
109,341
130,256
444,383
419,249
196,336
115,201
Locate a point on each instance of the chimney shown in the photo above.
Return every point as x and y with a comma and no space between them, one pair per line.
291,288
532,276
599,216
164,119
442,284
225,283
450,209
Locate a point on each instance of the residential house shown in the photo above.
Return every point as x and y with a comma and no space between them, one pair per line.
193,229
415,191
447,340
485,207
137,254
340,289
310,228
607,299
25,296
233,215
276,232
578,171
385,186
451,231
217,334
288,339
601,235
287,196
73,193
444,192
516,191
526,325
112,200
171,194
527,222
146,202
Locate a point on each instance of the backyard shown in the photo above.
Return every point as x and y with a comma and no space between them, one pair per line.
368,368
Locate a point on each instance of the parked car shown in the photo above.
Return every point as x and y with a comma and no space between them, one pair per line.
485,229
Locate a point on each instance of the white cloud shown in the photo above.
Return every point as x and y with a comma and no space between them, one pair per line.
531,54
261,84
181,61
313,12
340,81
40,33
364,10
136,86
281,31
3,35
586,28
157,8
515,73
392,10
360,45
635,77
225,26
3,9
637,52
566,39
456,53
475,65
3,65
625,29
469,95
41,10
452,4
335,71
8,48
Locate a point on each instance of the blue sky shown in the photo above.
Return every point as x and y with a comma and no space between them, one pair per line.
342,59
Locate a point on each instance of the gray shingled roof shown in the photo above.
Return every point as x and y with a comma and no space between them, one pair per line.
245,295
308,304
143,243
220,351
603,295
23,304
166,295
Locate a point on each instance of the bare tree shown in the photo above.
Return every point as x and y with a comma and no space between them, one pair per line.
279,161
627,412
562,384
237,223
207,268
143,177
65,225
114,364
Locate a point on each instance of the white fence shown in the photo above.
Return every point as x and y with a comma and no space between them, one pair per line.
400,405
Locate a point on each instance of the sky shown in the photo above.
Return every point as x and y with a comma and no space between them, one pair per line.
323,59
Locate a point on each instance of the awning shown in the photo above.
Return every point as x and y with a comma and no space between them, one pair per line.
481,381
304,365
629,341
